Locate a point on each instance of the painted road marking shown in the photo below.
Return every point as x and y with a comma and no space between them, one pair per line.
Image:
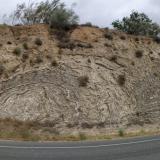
82,147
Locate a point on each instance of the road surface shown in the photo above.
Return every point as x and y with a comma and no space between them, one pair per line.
147,148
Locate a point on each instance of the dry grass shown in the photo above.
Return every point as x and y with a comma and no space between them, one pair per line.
11,129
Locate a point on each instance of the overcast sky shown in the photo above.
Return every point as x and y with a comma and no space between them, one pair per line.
100,12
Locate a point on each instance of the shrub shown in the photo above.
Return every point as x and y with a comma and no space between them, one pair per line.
137,24
152,58
61,35
89,61
25,56
133,63
139,53
17,51
68,45
1,69
88,24
121,132
9,42
83,81
121,80
63,18
25,134
38,59
86,125
25,46
101,125
38,42
108,36
53,12
85,45
157,39
107,45
48,56
137,39
54,63
82,136
113,58
122,37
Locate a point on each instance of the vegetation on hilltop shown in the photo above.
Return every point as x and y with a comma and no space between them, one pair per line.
51,12
137,24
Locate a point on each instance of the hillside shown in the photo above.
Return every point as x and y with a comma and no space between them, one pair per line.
87,80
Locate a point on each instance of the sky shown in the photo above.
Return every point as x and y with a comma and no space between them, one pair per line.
100,12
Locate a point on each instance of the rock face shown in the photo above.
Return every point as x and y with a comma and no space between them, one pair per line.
121,88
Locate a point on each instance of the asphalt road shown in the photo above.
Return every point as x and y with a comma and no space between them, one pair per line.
147,148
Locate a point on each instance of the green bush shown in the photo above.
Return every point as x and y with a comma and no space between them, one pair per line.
17,51
121,132
63,18
137,24
52,12
82,136
25,46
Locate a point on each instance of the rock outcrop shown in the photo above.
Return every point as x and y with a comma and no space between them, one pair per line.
121,88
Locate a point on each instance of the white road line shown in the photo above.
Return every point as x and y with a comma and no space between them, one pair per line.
80,147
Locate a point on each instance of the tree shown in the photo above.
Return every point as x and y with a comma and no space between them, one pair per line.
137,24
51,12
